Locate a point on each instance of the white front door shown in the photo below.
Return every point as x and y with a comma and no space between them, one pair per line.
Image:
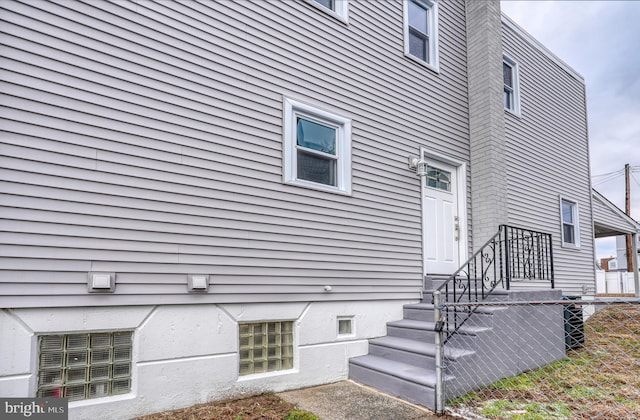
440,219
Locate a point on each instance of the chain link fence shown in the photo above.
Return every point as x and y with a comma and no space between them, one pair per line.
563,359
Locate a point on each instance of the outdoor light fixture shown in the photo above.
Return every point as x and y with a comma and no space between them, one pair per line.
420,166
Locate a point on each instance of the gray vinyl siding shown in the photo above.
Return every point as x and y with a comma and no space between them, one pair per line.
145,139
548,157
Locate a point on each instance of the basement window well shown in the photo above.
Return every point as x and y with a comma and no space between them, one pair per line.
265,347
84,366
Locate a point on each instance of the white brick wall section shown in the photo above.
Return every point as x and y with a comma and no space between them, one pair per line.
486,119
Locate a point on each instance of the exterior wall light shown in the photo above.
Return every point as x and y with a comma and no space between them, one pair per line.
419,165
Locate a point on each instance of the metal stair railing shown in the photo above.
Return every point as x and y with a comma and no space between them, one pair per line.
511,254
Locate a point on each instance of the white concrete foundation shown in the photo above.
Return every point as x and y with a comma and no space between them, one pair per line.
188,354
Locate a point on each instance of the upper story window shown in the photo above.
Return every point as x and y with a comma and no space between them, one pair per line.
339,7
421,31
317,148
570,226
511,85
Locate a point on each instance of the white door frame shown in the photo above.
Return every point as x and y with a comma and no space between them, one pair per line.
461,185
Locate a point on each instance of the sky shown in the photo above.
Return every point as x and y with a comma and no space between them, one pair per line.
601,41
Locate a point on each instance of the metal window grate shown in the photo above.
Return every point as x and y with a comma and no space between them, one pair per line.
81,366
266,347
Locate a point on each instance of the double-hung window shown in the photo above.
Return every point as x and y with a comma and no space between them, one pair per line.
511,85
421,31
339,8
570,226
317,148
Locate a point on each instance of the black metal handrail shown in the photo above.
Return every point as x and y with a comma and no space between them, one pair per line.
511,254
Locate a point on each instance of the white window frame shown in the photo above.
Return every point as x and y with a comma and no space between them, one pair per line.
515,90
432,16
576,223
352,322
294,109
340,9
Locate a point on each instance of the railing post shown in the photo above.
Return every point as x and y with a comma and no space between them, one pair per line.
507,257
437,313
553,285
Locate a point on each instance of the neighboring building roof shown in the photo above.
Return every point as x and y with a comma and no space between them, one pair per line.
609,220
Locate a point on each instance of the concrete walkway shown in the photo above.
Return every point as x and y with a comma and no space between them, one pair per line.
348,400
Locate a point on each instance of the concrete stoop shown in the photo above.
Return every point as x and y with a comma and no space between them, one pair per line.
402,363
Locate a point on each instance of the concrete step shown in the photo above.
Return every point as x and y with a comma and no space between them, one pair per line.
425,330
425,312
412,329
434,281
413,352
419,312
402,380
416,353
463,296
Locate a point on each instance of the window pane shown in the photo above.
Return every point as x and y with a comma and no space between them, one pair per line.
53,377
99,389
100,340
507,74
98,372
344,326
122,338
569,234
122,353
418,17
76,358
100,356
76,375
77,341
326,3
75,393
51,342
567,212
316,168
418,46
49,360
121,386
507,98
437,178
316,136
